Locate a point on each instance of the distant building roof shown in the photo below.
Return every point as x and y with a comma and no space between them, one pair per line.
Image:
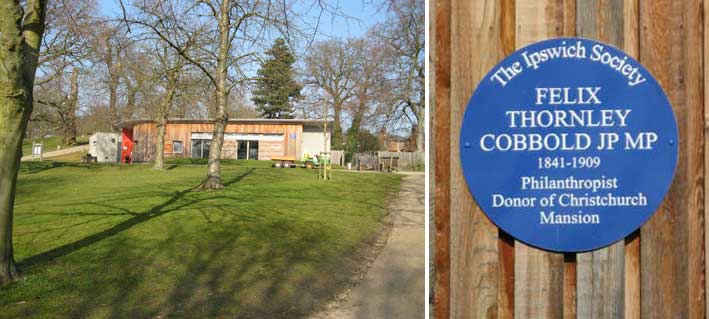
305,122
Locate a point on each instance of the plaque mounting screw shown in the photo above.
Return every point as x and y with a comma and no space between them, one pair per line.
671,142
467,144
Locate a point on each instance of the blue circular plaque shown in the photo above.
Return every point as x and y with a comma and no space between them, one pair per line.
569,144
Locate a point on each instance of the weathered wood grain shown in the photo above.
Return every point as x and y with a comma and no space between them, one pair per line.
474,258
600,282
631,285
539,274
601,272
441,135
706,131
672,252
694,12
570,289
538,283
506,290
506,247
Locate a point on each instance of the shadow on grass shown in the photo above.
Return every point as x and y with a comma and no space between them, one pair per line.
238,253
137,218
267,267
33,167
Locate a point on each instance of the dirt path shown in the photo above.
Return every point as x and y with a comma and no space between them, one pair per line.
59,152
394,284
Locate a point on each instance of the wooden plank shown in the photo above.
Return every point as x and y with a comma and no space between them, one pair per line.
672,251
600,282
601,272
570,278
441,136
631,284
538,283
696,170
539,274
706,158
506,290
475,25
506,248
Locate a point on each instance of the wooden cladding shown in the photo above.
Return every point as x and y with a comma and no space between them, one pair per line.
146,136
656,272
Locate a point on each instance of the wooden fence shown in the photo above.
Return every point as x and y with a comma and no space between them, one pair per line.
407,160
658,271
338,157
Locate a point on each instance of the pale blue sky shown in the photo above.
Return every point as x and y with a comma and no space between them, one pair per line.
363,14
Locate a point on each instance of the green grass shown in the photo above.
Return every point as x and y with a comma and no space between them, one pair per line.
126,241
50,144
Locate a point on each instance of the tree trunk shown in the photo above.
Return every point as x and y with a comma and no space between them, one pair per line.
421,121
14,112
162,120
160,146
113,81
353,135
420,134
337,125
131,96
213,180
19,47
69,123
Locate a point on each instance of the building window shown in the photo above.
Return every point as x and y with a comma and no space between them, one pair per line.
177,147
253,150
247,150
200,148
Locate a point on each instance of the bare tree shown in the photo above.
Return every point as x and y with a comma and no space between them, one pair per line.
112,53
370,85
171,65
226,35
63,48
330,69
404,34
21,31
63,103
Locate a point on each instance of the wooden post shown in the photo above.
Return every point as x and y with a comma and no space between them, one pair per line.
441,164
600,273
474,259
672,242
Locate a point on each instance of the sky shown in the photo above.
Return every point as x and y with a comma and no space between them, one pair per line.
362,15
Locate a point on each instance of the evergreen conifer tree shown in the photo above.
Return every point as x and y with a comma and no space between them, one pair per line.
276,87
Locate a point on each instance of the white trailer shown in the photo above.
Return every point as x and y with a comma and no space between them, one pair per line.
105,147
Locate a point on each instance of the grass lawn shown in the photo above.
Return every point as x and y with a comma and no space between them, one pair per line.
50,144
112,241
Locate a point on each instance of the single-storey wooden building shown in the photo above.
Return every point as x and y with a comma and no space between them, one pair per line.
256,139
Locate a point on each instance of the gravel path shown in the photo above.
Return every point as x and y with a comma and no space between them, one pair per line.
394,284
64,151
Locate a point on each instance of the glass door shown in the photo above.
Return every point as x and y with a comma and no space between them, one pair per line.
253,150
200,148
196,148
242,150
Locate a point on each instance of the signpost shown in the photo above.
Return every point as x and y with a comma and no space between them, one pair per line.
37,150
569,144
